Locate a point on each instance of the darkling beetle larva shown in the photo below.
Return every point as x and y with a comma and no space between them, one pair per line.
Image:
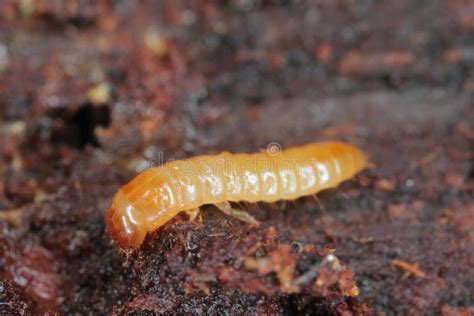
158,194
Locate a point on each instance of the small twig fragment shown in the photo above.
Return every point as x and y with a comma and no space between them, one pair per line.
410,268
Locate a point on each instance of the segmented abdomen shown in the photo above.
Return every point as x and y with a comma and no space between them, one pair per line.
263,177
156,195
285,175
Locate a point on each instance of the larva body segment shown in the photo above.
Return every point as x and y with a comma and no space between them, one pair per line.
158,194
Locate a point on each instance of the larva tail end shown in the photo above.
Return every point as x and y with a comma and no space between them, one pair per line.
360,159
122,223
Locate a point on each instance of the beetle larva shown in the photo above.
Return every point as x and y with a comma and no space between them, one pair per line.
158,194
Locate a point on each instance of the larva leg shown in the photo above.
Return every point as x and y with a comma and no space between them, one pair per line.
321,207
226,208
193,213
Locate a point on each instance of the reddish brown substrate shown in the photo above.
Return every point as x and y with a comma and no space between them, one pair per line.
89,94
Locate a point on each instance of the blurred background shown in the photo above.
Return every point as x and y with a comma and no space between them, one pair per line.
92,92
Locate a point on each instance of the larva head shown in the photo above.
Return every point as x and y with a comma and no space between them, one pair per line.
125,223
